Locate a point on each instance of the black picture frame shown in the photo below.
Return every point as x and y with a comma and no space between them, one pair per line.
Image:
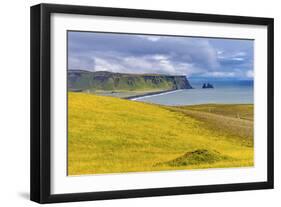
41,98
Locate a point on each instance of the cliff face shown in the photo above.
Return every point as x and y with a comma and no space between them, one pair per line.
79,80
181,82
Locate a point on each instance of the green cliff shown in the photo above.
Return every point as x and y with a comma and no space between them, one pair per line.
80,80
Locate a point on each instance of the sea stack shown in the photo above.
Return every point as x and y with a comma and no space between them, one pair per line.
207,85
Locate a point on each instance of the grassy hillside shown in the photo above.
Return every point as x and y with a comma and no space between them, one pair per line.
242,111
120,82
111,135
231,119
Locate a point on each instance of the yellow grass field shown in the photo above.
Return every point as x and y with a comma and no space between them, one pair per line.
112,135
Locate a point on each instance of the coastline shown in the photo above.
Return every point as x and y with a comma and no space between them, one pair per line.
151,94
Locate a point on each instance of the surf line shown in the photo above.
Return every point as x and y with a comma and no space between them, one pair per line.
158,94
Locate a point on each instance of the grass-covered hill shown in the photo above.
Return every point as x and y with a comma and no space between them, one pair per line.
80,80
112,135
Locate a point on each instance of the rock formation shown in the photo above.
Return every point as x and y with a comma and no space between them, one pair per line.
207,85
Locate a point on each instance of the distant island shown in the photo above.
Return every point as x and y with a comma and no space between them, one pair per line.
207,85
82,80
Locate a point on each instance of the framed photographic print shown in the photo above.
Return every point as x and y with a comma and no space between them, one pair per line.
133,103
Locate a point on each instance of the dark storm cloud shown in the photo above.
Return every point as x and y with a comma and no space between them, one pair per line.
158,54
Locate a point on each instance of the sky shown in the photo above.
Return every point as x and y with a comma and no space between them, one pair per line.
194,57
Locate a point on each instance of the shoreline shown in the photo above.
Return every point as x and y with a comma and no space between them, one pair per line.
151,94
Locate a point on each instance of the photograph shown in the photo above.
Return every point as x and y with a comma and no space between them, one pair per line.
133,103
150,102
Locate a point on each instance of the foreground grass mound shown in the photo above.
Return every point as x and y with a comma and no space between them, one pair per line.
112,135
196,157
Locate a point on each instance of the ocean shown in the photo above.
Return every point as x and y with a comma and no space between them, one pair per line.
224,92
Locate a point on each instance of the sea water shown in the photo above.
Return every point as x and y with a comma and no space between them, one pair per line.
224,92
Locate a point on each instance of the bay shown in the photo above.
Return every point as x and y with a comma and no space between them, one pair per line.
229,92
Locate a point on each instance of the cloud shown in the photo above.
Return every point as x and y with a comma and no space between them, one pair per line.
240,54
238,59
219,74
219,52
151,38
157,54
159,64
81,62
249,74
